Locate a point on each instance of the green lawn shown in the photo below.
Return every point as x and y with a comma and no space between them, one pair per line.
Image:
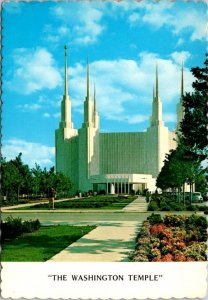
42,244
99,202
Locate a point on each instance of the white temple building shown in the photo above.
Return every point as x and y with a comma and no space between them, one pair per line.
116,162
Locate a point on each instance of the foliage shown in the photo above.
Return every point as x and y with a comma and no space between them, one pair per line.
194,124
168,204
175,220
183,165
18,179
172,238
89,202
14,227
42,244
155,219
44,179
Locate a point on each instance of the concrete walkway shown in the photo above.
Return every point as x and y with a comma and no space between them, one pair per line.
138,205
111,243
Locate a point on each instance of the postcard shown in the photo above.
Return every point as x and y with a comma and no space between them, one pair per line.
104,153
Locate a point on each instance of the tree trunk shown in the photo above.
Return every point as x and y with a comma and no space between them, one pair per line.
178,194
18,191
190,193
183,187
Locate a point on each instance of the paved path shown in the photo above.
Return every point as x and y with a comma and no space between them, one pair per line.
139,205
111,243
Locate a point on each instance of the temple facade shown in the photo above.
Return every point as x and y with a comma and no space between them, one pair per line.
116,162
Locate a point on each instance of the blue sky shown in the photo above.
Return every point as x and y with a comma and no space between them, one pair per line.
123,41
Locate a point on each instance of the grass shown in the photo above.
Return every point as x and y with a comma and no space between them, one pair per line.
42,244
104,202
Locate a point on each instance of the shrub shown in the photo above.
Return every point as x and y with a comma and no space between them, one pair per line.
158,230
14,227
155,219
179,256
175,220
30,226
165,207
196,221
197,251
11,228
177,238
167,258
140,258
152,206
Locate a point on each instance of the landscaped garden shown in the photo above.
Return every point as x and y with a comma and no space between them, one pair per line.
174,238
164,203
105,202
29,241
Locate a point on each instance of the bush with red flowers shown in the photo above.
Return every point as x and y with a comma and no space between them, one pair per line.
172,238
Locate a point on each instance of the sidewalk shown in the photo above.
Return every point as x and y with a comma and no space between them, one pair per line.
110,243
138,205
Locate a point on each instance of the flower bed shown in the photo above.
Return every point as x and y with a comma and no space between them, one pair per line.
172,238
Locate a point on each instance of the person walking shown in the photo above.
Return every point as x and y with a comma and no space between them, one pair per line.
147,196
52,194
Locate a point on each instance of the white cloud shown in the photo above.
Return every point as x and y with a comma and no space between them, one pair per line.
57,115
35,70
157,14
46,115
126,83
55,34
180,42
135,119
170,14
29,107
169,117
180,57
31,152
134,18
191,19
85,22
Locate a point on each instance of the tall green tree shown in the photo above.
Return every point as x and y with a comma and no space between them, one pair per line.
17,178
25,176
183,165
195,121
9,179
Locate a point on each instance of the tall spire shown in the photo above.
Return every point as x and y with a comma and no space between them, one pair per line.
156,118
180,108
153,94
66,116
94,98
88,80
182,82
157,85
66,73
88,104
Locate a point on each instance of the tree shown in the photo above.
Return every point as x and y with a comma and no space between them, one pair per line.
9,179
183,165
17,178
44,179
25,176
63,184
195,122
36,179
